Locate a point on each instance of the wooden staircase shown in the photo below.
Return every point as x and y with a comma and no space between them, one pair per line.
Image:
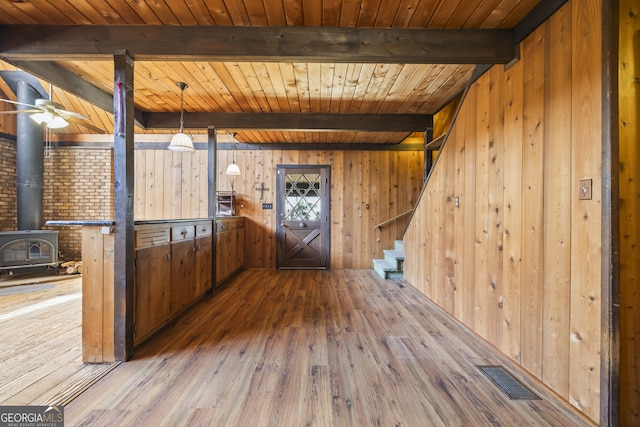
391,267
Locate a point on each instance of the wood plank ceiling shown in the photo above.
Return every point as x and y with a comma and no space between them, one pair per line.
309,74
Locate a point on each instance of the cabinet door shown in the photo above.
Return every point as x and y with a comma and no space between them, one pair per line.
204,256
239,264
152,297
224,256
183,275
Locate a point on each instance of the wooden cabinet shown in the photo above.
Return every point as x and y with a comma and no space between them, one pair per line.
173,270
183,271
152,288
203,258
229,247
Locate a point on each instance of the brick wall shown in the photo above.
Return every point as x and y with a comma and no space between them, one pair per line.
8,202
78,185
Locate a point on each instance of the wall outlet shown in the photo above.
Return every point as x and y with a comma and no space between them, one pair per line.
586,189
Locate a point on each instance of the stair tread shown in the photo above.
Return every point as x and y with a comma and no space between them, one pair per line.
384,265
394,253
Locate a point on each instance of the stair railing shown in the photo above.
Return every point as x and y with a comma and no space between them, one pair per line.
395,218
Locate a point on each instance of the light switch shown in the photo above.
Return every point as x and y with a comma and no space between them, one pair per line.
586,188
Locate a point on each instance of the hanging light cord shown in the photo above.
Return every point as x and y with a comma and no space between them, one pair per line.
233,140
182,87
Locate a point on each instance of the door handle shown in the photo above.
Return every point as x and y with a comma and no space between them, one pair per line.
282,224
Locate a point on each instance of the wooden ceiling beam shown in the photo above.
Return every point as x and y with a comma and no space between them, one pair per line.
293,121
263,44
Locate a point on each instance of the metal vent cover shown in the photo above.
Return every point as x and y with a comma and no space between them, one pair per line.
507,383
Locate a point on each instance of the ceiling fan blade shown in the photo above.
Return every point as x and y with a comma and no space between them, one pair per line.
20,111
69,114
8,101
83,123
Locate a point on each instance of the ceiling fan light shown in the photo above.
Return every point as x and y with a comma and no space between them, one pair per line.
40,118
57,123
233,170
181,142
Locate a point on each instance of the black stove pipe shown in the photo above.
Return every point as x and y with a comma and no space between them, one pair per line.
29,162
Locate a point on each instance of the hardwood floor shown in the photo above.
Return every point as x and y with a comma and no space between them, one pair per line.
323,348
41,336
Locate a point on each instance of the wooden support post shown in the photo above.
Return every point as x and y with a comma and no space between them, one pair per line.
610,369
123,249
213,185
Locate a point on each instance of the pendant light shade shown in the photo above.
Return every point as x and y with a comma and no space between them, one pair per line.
181,141
233,169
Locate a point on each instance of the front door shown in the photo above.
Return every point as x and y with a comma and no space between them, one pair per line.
303,217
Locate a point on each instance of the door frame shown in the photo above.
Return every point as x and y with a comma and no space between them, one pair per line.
325,227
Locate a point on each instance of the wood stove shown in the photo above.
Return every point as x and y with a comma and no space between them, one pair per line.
28,248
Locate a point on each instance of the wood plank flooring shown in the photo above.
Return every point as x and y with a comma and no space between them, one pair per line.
41,336
312,348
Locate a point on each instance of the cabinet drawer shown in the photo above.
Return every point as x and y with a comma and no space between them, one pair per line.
222,226
149,236
182,232
203,229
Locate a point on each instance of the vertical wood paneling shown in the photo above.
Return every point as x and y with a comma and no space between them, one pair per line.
557,204
139,183
512,209
481,281
629,92
436,262
185,184
97,296
174,185
469,205
532,201
528,250
92,309
586,214
449,257
459,266
495,199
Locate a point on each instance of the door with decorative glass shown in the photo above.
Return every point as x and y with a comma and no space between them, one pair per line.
302,209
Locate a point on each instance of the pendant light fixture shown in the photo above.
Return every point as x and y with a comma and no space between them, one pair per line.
181,141
233,169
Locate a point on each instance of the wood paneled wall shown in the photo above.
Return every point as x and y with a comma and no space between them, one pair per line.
367,188
500,238
629,78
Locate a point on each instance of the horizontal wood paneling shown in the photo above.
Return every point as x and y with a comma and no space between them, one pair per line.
529,248
174,186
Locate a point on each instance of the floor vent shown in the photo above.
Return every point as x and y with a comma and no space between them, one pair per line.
507,383
24,289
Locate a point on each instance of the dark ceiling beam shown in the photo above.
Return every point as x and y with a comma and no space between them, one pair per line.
72,83
535,18
238,43
293,121
66,80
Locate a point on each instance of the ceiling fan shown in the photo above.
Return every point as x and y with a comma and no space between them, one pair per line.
51,114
